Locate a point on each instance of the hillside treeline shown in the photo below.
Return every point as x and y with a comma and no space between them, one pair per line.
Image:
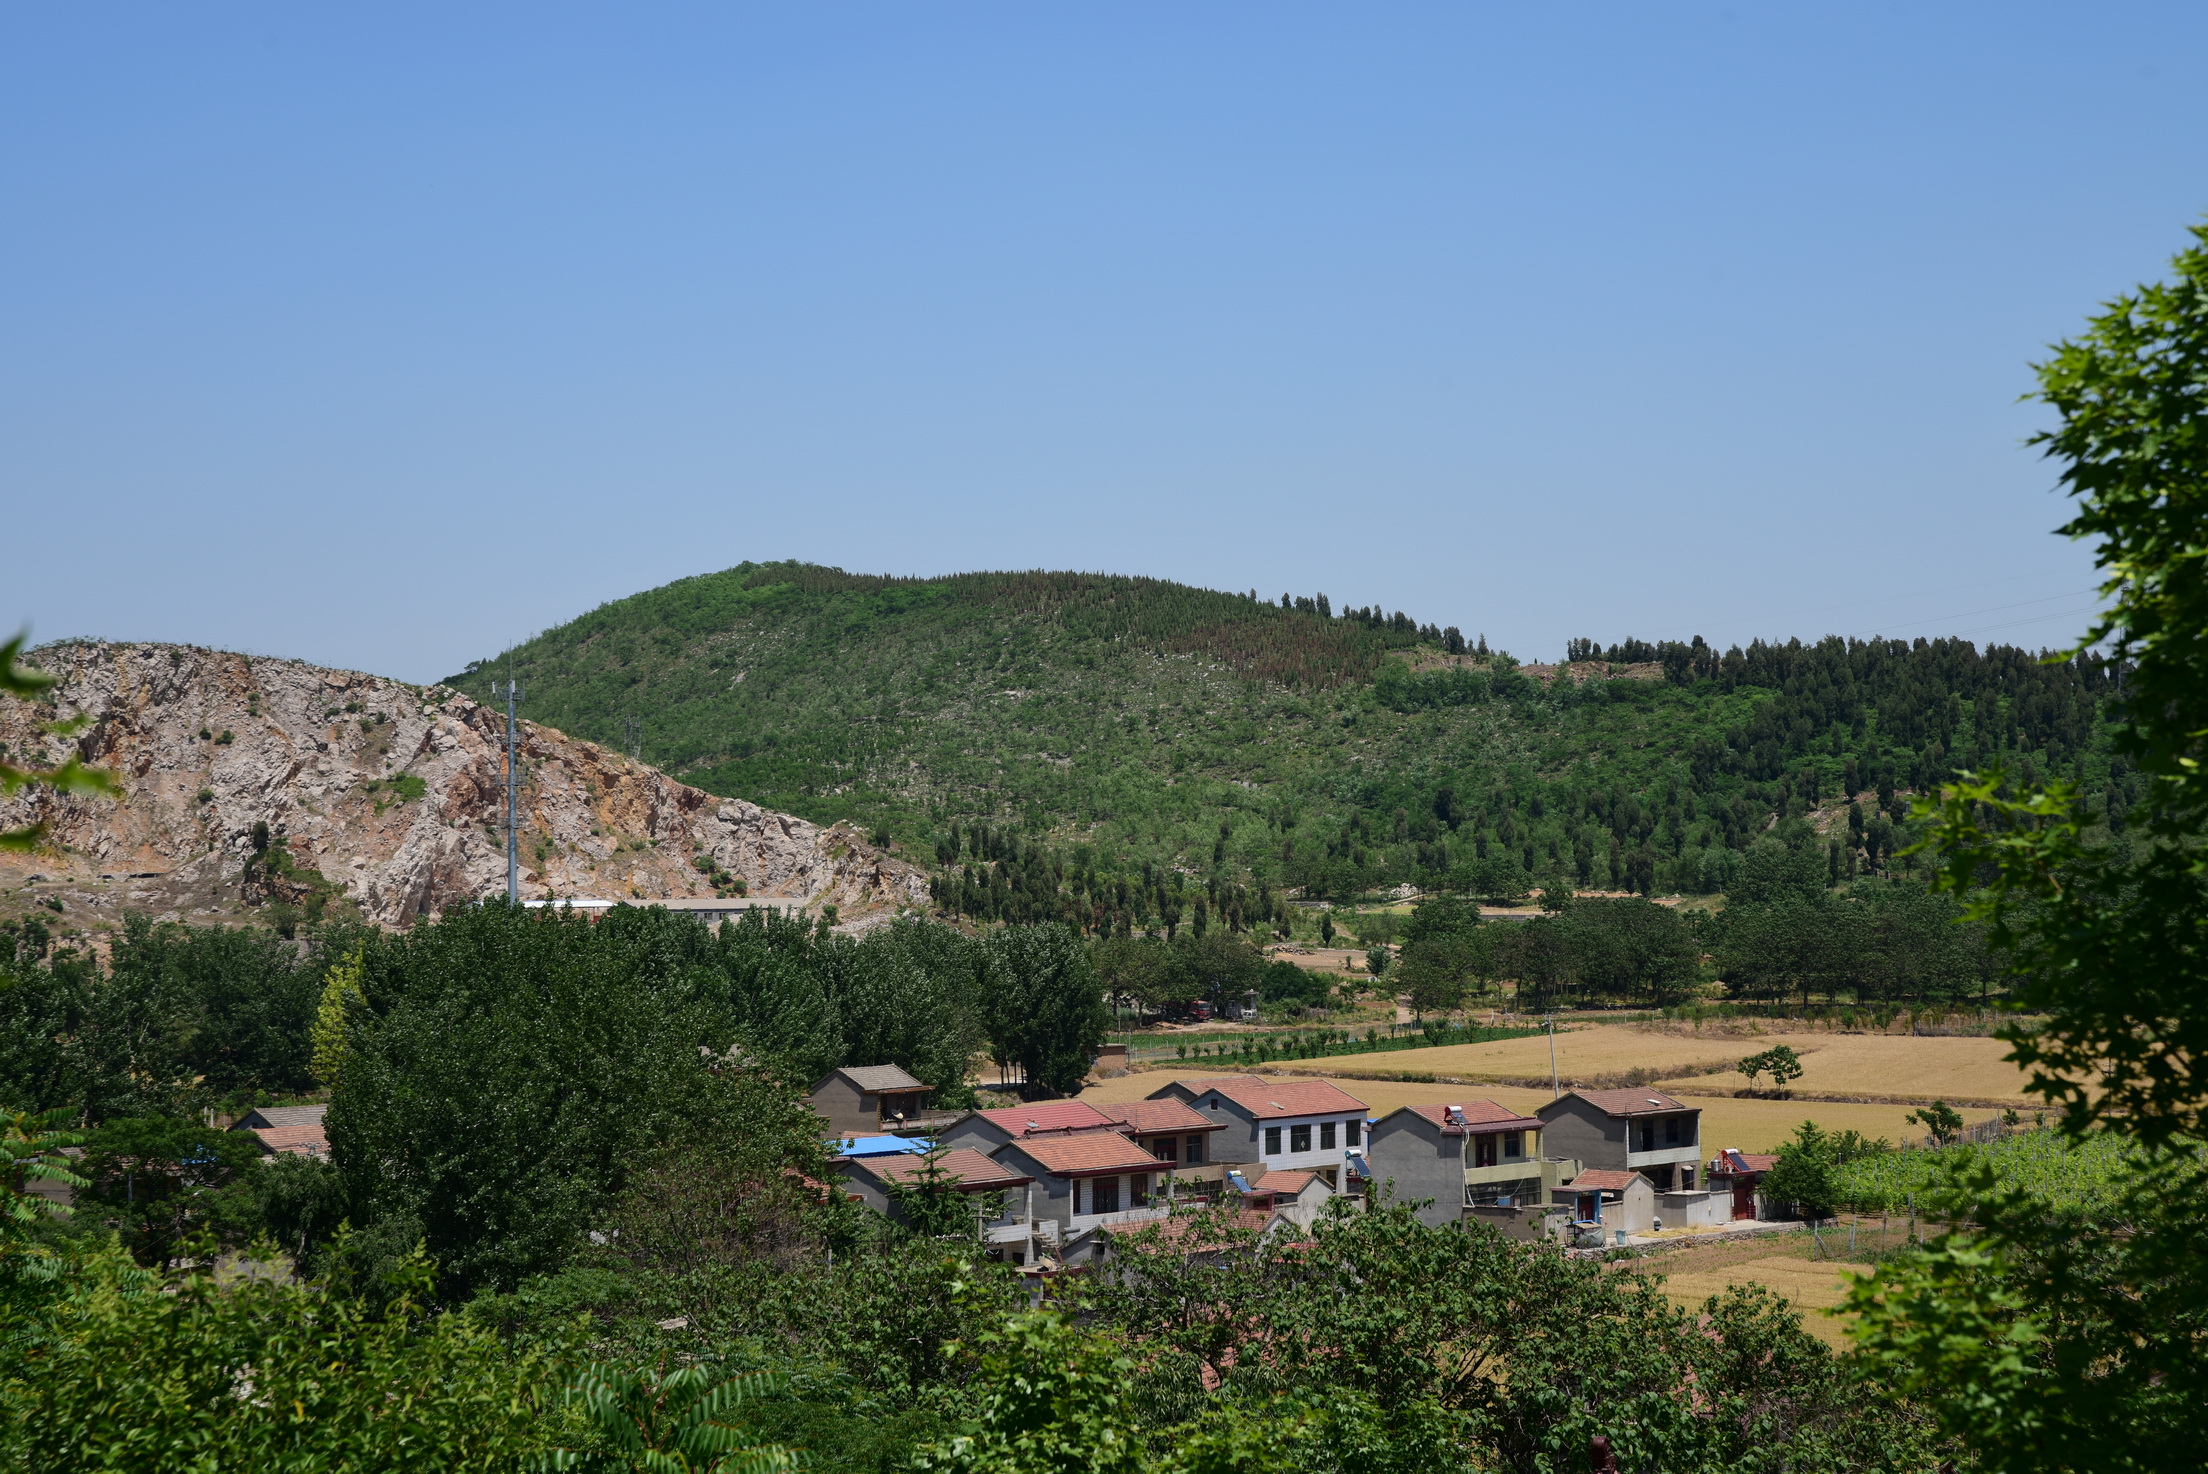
1117,726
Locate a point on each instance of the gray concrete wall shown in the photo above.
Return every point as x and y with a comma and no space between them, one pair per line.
1695,1209
1239,1142
976,1131
1420,1161
838,1100
1578,1129
1529,1224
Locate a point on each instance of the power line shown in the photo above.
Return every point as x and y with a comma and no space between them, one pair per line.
1967,613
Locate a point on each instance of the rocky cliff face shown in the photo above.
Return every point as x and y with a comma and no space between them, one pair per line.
386,795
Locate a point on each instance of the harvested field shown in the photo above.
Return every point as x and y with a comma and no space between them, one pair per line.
1895,1066
1750,1125
1876,1066
1786,1265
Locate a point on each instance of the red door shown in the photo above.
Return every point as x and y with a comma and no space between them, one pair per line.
1744,1198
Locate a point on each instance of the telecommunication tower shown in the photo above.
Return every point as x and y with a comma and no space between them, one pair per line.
511,693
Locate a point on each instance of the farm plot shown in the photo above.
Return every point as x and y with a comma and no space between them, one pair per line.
1891,1067
1792,1270
2083,1176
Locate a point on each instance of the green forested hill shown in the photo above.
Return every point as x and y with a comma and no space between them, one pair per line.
1072,729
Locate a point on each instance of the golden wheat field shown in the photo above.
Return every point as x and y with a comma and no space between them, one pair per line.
1748,1125
1890,1065
1811,1285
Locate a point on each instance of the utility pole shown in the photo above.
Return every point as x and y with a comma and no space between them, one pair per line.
512,693
1555,1090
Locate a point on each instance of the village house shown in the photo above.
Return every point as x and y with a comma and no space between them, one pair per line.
1450,1158
1178,1136
1000,1194
1277,1125
1739,1175
288,1130
1084,1180
865,1100
1642,1131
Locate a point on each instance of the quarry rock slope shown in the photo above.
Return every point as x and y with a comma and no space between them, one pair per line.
384,794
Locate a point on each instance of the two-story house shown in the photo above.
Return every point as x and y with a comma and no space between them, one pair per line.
864,1100
1642,1131
1084,1180
1178,1136
1474,1154
1279,1124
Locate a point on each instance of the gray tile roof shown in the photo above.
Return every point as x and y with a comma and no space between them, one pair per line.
306,1115
879,1077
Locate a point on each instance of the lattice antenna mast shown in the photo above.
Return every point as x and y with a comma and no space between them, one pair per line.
511,693
633,729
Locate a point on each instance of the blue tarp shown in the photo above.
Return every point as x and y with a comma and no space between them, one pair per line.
876,1146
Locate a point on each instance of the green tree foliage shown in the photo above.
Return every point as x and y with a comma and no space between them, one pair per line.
1504,1356
2071,1340
341,995
1045,1007
163,1181
682,1422
183,1017
516,1066
1779,1061
133,1373
1803,1175
1940,1119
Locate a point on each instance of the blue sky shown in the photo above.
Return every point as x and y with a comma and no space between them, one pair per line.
385,337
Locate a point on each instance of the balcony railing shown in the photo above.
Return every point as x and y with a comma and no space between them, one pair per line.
1146,1214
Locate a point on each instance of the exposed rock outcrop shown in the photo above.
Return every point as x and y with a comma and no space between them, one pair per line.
387,794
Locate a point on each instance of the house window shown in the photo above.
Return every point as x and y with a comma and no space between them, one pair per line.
1194,1155
1138,1190
1165,1148
1073,1192
1104,1195
1513,1144
1671,1131
1326,1136
1483,1151
1648,1136
1350,1129
1272,1141
1299,1138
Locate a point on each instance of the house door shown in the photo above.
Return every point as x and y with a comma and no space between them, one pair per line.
1744,1198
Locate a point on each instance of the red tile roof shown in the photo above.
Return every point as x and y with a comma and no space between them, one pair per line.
1480,1117
1144,1116
1629,1102
1273,1099
1086,1154
1290,1180
973,1171
1048,1115
1731,1160
1603,1179
294,1141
